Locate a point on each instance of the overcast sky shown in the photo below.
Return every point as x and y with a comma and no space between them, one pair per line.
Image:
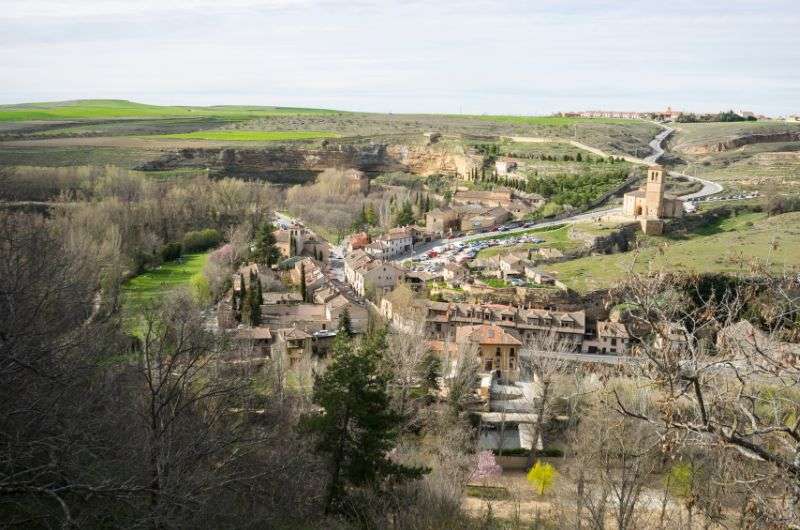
520,57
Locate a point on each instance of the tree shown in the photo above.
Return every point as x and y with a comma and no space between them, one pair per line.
345,327
486,468
357,427
303,287
265,250
405,216
542,476
738,391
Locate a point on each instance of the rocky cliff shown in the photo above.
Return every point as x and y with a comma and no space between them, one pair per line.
738,141
292,164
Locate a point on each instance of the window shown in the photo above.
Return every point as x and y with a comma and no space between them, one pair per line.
497,352
614,342
513,353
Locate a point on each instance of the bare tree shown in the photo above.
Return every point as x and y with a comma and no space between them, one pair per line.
723,381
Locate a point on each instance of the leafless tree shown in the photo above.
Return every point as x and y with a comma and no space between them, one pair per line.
724,381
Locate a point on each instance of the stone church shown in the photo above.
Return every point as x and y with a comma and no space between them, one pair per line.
650,205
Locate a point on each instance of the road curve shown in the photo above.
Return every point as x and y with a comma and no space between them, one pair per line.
656,144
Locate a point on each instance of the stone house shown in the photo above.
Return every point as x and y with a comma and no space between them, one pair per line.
504,166
498,348
442,221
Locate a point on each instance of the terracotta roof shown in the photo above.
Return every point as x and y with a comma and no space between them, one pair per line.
293,334
259,333
606,328
488,334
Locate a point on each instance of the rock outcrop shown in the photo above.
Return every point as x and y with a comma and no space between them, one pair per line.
373,157
739,141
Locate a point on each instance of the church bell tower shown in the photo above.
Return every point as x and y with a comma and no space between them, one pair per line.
654,195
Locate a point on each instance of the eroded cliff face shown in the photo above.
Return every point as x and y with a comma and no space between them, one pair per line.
266,162
737,142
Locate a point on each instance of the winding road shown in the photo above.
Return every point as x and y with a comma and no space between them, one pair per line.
657,147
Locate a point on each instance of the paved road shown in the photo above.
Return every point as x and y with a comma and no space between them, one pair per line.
709,188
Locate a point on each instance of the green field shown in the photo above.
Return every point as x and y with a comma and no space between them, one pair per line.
728,246
148,288
251,136
95,109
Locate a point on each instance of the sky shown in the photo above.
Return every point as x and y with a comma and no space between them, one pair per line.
446,56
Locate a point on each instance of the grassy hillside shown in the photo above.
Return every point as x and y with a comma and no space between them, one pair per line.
95,109
728,245
763,166
252,136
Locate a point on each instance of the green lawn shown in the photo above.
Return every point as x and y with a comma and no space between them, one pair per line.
149,287
96,109
555,237
727,246
251,136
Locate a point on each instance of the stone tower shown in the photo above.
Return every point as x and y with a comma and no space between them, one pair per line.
654,192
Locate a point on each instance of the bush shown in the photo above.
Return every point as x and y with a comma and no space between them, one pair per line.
171,251
199,240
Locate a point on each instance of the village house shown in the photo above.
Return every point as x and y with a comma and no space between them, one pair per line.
498,348
357,241
394,243
294,343
289,241
442,319
365,274
478,217
512,266
336,306
442,221
504,166
538,277
314,276
611,337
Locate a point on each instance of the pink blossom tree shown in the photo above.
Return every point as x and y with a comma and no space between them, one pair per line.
487,467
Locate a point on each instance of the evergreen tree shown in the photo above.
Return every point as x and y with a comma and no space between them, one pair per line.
345,324
405,216
303,290
260,294
357,427
265,250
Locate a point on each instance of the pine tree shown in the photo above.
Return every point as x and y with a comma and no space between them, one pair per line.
357,426
345,324
265,250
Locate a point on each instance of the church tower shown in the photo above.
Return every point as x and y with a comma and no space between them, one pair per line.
654,194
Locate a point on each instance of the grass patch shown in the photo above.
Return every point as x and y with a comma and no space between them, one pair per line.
488,493
251,136
727,246
150,287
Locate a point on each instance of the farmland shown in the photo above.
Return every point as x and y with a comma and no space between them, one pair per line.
107,109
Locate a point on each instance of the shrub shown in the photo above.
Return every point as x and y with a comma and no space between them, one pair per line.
201,288
199,240
542,476
171,251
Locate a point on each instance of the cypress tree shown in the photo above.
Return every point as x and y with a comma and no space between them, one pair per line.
303,290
